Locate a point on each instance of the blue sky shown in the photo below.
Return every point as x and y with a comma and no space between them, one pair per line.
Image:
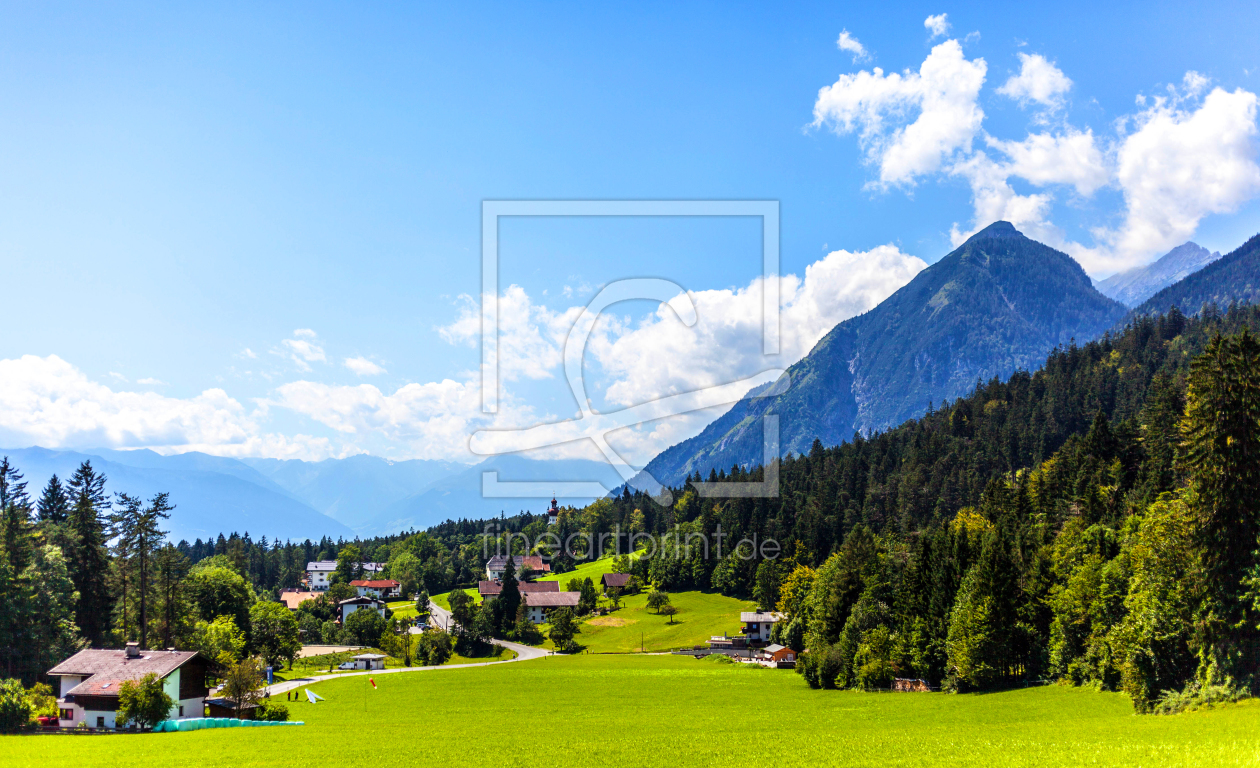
209,210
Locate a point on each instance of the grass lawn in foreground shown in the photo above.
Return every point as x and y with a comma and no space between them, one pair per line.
700,616
673,711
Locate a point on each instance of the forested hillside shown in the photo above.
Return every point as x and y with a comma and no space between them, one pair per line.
1090,522
997,304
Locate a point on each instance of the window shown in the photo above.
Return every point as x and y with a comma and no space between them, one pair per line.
67,714
181,710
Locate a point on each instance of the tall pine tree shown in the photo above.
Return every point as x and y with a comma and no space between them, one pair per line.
90,561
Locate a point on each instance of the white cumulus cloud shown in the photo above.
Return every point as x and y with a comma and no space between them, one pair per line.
47,401
361,366
1039,81
850,44
938,25
940,97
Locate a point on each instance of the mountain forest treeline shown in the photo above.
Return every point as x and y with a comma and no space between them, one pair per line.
1091,522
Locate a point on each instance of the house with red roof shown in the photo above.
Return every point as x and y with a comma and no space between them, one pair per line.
382,589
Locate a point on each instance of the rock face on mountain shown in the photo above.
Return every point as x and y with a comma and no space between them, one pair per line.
1235,277
1139,284
997,304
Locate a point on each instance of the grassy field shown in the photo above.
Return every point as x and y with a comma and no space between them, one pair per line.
632,627
319,665
672,711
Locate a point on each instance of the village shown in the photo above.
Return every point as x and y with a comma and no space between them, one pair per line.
89,682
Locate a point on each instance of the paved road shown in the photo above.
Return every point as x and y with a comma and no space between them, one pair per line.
440,618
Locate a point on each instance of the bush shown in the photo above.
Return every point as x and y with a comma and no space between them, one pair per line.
15,708
273,712
1194,696
143,702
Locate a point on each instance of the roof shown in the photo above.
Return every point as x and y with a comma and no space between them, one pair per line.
492,588
749,617
295,597
331,565
615,579
105,670
535,562
774,648
369,656
360,601
376,584
551,599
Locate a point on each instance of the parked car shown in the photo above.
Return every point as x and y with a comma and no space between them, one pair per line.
346,665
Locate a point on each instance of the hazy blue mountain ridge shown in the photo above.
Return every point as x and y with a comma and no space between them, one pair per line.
207,502
1235,277
1135,286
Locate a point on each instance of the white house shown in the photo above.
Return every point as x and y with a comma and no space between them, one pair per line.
348,607
382,588
539,604
757,625
90,680
319,572
368,661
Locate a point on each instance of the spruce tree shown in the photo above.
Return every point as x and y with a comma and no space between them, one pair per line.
508,601
54,505
1221,432
90,560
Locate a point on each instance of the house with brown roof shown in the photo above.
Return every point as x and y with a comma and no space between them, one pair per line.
497,564
292,597
491,589
539,604
90,680
614,581
379,588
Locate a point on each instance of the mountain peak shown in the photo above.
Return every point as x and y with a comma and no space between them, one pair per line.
997,229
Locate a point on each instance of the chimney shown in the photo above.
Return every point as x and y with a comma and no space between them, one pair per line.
133,650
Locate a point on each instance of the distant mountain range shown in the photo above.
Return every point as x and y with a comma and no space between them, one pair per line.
212,495
1135,286
998,303
290,499
354,489
1233,277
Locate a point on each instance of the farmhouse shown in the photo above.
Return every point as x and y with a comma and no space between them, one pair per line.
348,607
614,581
496,565
382,588
757,625
90,680
491,589
776,656
539,604
292,597
319,573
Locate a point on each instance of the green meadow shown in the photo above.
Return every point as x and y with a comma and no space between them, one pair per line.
672,711
633,627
